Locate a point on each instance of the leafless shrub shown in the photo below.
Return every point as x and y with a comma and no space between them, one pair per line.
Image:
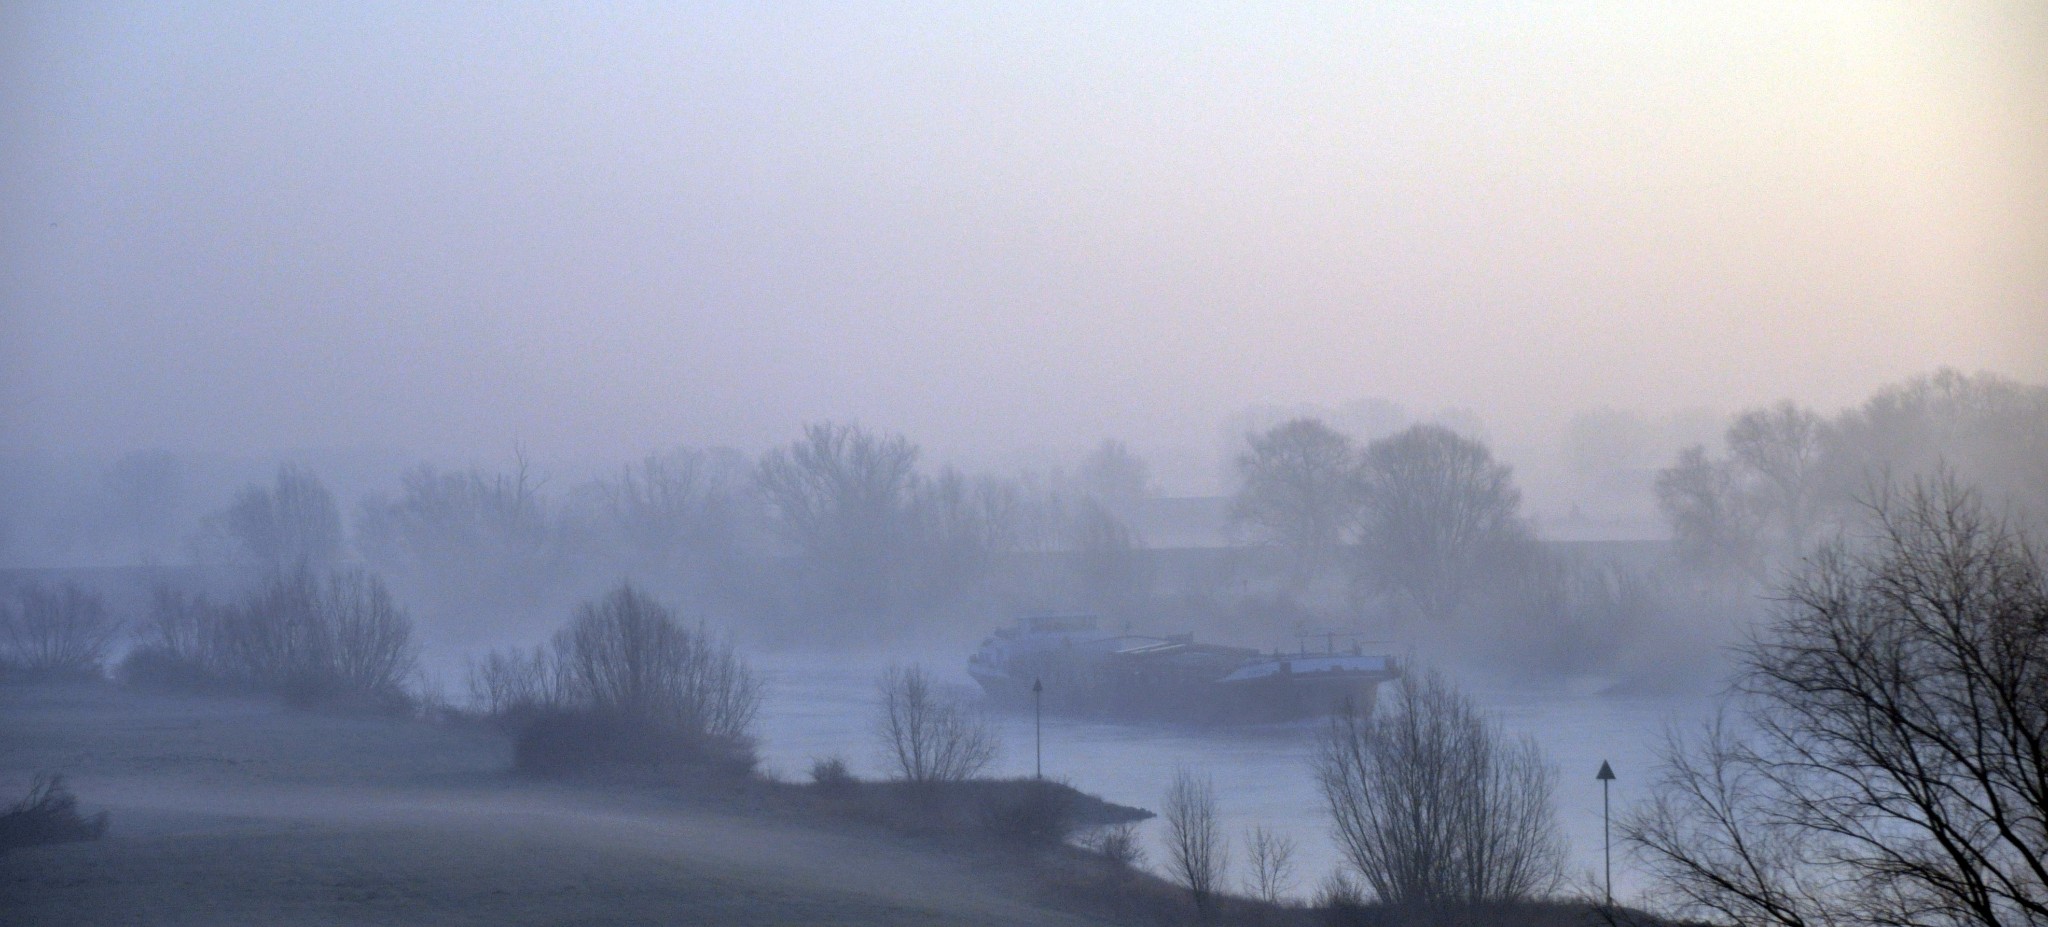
178,644
1272,860
63,631
369,637
309,639
1197,853
180,626
625,683
1433,803
931,734
1339,894
626,653
511,683
1029,812
1892,763
1117,843
573,741
830,776
49,814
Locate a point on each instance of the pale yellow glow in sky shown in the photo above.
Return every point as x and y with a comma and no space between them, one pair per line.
259,228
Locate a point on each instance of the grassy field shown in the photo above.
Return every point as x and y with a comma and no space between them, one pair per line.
228,811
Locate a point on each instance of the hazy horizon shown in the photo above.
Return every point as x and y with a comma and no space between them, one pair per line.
244,229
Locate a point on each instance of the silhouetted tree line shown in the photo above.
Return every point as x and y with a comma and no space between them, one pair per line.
1420,532
1787,477
839,533
845,532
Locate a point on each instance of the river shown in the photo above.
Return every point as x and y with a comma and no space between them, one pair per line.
822,705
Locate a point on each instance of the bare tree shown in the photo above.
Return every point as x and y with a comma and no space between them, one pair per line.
1782,447
962,525
1790,476
1992,432
61,630
626,654
1272,860
841,497
1433,803
1298,488
1197,852
370,637
930,734
1714,524
678,509
472,538
290,522
1438,514
1892,764
508,683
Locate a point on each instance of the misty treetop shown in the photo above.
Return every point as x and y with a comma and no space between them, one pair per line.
290,521
1789,476
836,535
1300,487
1423,518
1415,533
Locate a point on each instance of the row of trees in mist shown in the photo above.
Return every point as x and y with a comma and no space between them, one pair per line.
1421,531
1416,516
1787,477
1419,534
841,530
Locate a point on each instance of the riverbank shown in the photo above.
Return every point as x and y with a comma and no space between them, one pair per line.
232,811
240,811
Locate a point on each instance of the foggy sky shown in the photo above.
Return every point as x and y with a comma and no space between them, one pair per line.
598,230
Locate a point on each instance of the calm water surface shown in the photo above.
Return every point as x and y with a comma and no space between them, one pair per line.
824,705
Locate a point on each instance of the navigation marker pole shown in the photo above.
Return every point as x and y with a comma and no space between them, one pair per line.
1605,776
1037,729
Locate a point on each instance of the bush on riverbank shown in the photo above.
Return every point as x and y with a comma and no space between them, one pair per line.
625,684
568,741
49,814
1018,812
60,633
333,640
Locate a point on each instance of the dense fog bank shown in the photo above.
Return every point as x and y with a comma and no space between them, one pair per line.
1411,534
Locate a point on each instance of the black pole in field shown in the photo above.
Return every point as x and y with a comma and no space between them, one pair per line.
1037,730
1605,776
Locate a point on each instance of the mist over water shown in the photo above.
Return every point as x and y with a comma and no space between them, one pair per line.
354,355
824,704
